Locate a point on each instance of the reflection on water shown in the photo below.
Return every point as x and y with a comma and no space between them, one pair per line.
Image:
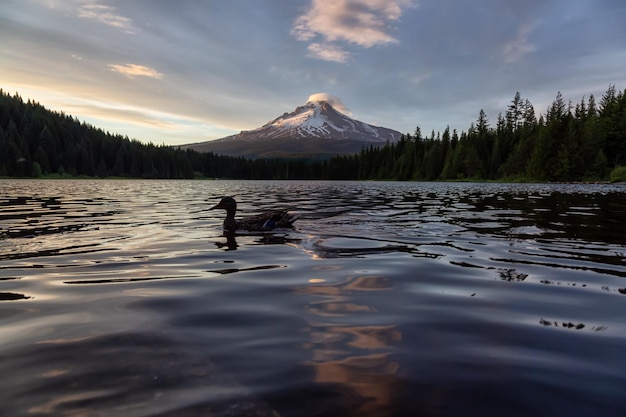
354,356
125,298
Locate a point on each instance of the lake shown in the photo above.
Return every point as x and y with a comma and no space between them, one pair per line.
123,298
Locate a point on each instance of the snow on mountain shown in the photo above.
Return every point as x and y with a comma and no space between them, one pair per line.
319,119
314,129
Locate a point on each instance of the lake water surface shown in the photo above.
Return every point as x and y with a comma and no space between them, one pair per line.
123,298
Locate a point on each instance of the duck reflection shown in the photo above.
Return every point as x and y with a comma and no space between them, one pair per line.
231,242
346,350
259,238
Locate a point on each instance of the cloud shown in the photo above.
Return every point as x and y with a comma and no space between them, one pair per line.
332,100
328,52
364,23
134,70
105,14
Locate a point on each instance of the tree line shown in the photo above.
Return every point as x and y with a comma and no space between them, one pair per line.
570,142
36,142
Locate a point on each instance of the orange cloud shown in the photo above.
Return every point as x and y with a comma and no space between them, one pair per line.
134,70
364,23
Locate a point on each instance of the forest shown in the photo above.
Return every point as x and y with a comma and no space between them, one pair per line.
582,141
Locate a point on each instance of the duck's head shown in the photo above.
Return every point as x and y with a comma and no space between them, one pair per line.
227,203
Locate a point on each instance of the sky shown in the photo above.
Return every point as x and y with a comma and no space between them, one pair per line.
185,71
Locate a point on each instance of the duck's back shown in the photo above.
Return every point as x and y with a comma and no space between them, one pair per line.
266,221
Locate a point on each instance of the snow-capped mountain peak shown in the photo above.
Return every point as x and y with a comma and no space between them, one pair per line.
319,119
318,127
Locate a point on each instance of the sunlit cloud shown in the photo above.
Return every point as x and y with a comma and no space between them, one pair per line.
328,52
121,113
134,70
153,124
365,23
332,100
105,14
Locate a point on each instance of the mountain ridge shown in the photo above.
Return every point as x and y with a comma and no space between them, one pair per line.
313,130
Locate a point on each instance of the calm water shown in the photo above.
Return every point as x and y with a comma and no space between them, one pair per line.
122,298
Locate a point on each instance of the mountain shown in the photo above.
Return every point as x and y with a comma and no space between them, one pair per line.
314,130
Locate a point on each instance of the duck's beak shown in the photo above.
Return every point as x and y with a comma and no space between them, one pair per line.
217,206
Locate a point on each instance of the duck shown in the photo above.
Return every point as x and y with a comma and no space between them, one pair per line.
269,220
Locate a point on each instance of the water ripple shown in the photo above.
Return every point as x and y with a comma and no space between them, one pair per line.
387,299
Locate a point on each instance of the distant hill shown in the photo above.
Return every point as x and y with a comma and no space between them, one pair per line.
314,130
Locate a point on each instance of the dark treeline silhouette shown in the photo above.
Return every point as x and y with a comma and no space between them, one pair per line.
571,142
35,142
